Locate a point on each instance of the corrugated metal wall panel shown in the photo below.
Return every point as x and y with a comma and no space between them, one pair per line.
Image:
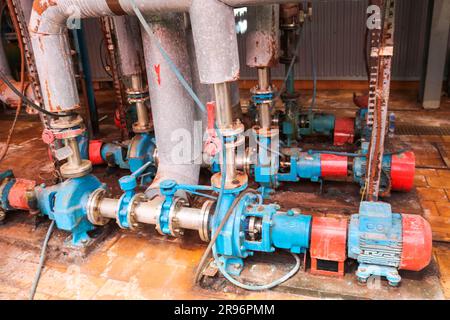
338,33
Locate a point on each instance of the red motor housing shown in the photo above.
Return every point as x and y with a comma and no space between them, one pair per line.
417,243
95,152
333,166
344,131
403,167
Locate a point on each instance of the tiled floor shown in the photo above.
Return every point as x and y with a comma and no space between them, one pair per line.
130,266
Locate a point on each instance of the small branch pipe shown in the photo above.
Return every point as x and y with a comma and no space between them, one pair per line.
173,110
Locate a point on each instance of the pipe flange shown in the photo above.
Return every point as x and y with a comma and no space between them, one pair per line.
239,142
256,90
271,132
133,224
64,123
239,181
68,170
93,213
236,129
138,128
174,227
68,133
205,211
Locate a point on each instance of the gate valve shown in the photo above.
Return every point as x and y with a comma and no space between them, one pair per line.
212,144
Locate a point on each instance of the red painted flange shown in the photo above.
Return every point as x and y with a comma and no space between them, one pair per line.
403,168
344,131
417,243
333,166
95,152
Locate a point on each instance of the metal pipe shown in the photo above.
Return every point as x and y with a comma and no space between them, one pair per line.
173,110
265,118
108,207
215,40
141,108
224,108
129,45
148,212
75,158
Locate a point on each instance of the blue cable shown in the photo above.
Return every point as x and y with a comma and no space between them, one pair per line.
251,287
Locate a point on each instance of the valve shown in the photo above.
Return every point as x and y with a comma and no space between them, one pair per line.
126,218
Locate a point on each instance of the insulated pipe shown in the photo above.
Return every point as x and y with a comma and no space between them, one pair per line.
215,40
172,108
129,45
263,53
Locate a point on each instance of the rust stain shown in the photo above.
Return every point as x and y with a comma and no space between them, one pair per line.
157,68
40,6
49,95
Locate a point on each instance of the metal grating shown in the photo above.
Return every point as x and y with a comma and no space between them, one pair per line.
410,130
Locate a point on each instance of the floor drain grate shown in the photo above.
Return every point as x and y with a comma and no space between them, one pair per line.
409,130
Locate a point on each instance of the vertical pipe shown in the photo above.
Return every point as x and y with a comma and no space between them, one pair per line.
88,88
224,108
141,109
173,110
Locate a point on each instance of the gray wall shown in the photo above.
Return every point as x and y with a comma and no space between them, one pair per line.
338,37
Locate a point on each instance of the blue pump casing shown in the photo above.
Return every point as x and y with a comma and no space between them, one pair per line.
66,204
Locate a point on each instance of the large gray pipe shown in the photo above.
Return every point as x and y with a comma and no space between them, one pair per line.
263,37
129,45
173,109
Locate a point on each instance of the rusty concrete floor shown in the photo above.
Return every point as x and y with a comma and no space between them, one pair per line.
145,265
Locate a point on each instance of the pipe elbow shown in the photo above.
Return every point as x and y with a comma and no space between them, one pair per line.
49,16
